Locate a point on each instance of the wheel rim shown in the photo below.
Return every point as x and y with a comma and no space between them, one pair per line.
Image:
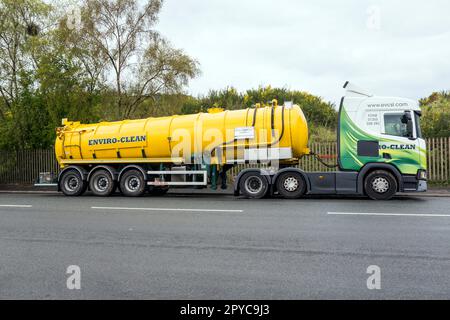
72,183
254,184
290,184
102,183
133,183
380,185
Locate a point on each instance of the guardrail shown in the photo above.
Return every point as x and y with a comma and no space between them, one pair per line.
23,166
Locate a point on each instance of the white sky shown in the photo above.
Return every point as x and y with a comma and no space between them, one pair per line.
314,45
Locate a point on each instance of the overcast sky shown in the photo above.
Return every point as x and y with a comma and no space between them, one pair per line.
399,48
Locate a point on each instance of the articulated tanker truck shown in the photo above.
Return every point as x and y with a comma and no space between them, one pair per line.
380,151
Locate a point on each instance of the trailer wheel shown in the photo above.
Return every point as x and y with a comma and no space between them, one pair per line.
291,185
253,185
380,185
101,183
132,183
72,184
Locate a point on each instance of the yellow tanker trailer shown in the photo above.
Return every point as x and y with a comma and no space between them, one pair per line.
181,150
380,151
176,139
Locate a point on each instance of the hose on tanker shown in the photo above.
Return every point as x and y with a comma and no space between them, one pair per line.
282,128
254,117
315,155
253,124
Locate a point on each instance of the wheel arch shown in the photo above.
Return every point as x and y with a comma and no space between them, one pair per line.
110,169
369,167
83,172
132,166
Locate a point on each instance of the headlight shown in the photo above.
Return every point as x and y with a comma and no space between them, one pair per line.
422,175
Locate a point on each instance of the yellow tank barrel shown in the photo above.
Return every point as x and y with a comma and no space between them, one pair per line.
179,138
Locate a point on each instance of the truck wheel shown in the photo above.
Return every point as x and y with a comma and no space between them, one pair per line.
72,184
132,183
380,185
101,183
253,185
154,191
291,185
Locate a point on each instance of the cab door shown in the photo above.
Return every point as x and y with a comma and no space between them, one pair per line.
399,144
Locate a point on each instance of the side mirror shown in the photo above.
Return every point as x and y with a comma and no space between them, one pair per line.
406,117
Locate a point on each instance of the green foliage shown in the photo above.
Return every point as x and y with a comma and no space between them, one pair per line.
321,134
317,112
228,98
22,110
50,71
435,120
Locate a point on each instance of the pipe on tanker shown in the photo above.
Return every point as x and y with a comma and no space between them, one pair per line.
259,144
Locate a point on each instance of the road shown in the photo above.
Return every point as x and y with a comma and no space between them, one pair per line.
220,247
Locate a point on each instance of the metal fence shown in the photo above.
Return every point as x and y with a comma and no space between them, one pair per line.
23,166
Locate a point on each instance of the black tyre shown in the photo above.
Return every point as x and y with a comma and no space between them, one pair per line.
157,191
132,183
101,183
291,185
253,185
380,185
72,184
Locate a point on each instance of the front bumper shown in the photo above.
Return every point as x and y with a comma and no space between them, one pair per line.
422,186
412,184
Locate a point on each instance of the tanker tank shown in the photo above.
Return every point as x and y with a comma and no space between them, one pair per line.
249,134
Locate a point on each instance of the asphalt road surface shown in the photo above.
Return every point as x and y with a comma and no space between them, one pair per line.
221,247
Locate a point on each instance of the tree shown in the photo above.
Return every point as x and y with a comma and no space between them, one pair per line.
19,23
22,22
42,79
142,62
53,66
435,120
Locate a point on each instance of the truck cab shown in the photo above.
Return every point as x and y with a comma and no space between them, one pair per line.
380,152
381,134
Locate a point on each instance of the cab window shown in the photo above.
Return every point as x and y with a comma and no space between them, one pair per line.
397,124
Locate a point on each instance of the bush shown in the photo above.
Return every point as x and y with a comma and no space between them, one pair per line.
435,120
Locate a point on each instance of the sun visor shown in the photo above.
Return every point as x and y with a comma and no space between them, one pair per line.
355,91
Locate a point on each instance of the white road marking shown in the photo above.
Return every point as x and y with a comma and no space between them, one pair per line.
16,205
390,214
166,209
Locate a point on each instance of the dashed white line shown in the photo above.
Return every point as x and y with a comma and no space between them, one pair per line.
16,205
390,214
167,209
